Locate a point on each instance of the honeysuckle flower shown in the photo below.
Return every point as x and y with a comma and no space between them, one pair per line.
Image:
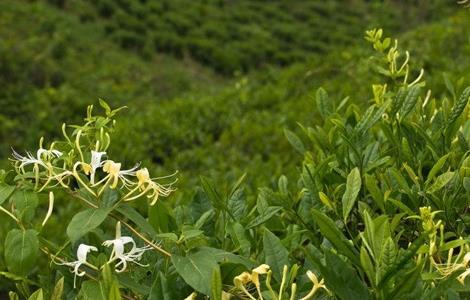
29,159
113,169
82,253
466,261
240,281
118,253
262,269
49,210
316,285
148,186
94,164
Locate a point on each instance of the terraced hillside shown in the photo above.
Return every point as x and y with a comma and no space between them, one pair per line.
231,36
182,115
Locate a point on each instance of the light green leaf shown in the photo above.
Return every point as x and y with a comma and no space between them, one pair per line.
216,287
441,181
459,106
353,186
295,141
436,168
21,251
85,221
37,295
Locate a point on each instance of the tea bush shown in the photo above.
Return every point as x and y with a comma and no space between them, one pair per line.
378,209
245,35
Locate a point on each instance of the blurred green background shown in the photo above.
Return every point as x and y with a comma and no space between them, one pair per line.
210,84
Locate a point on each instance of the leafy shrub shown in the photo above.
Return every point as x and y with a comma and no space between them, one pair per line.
378,210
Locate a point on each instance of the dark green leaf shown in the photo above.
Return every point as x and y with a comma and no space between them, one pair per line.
276,255
331,232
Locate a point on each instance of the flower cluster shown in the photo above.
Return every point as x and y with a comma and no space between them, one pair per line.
51,168
435,229
118,253
241,281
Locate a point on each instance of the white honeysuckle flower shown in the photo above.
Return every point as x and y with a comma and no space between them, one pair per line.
148,186
82,253
134,255
95,163
29,159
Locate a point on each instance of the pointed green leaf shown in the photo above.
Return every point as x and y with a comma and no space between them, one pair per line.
353,186
276,255
85,221
441,181
216,287
295,141
331,232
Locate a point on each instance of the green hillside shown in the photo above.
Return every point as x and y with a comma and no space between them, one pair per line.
231,36
183,116
353,161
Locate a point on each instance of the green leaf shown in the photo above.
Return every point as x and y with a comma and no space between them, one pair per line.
91,290
330,231
58,290
267,214
85,221
436,168
37,295
212,194
160,289
441,181
196,270
410,101
387,258
341,278
21,251
295,141
216,286
459,106
353,186
130,213
402,261
5,192
367,265
160,217
25,203
323,105
374,190
276,255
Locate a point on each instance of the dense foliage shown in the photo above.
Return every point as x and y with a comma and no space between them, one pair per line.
285,190
234,36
